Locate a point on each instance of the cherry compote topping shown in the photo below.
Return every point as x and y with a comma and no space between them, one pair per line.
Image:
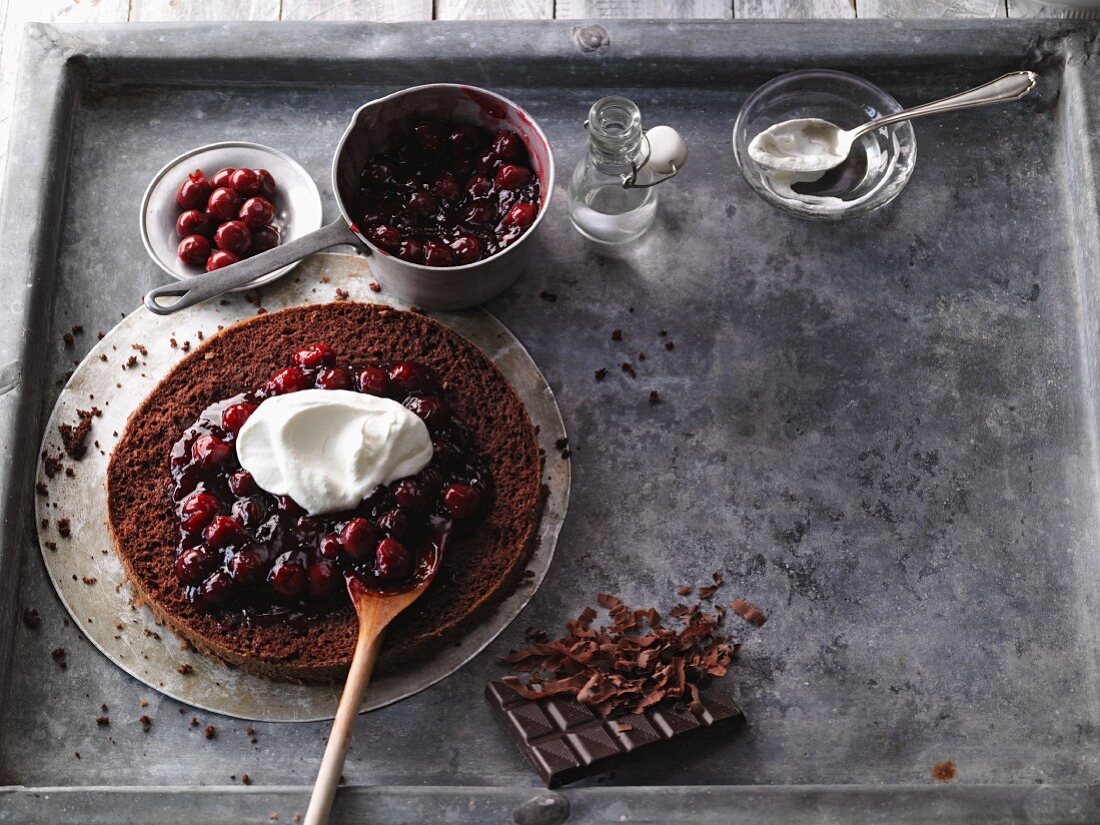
247,555
450,194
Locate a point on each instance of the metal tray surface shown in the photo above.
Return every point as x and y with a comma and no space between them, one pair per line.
883,431
89,577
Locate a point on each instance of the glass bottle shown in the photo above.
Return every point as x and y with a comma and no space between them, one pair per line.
603,206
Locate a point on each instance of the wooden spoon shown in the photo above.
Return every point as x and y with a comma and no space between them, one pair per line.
376,609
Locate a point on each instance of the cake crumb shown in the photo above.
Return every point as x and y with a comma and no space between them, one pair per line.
374,286
944,771
628,368
58,654
51,464
63,528
184,669
51,545
103,721
654,397
616,335
210,731
669,346
103,357
143,703
341,295
68,339
194,722
31,618
601,374
140,348
548,296
130,362
41,488
89,579
246,779
146,723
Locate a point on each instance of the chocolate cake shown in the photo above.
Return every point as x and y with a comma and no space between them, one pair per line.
481,566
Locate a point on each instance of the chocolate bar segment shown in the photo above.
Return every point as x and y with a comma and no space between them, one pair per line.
565,741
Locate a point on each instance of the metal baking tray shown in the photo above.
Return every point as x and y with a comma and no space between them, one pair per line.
883,431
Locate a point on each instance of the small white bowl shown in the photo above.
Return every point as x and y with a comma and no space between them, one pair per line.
297,201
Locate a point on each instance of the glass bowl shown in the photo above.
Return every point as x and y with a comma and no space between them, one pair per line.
877,169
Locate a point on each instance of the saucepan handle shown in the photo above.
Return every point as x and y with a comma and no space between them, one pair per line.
204,287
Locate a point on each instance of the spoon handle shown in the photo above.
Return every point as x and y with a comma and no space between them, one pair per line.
336,751
1011,86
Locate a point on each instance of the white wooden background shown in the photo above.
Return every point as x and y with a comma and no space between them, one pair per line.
15,13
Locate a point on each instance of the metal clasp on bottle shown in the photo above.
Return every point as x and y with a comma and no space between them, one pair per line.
674,155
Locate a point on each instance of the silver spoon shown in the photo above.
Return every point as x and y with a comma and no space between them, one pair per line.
811,144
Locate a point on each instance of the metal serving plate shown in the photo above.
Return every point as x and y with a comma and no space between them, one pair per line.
883,431
92,583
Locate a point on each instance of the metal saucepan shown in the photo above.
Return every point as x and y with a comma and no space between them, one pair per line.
374,126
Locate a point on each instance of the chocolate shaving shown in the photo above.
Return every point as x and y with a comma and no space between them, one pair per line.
749,612
630,665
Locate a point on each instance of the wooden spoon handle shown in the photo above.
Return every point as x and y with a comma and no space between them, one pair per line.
362,663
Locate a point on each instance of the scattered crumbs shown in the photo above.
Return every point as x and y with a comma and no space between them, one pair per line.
78,329
77,753
562,446
944,771
245,779
663,333
140,348
100,335
325,279
223,302
194,722
181,710
41,488
684,590
103,357
143,703
89,579
173,343
104,707
549,297
669,346
68,339
31,618
184,669
199,335
186,346
103,721
70,472
616,335
58,654
44,522
74,436
51,464
630,310
51,545
373,286
628,368
146,722
210,731
654,397
250,731
274,817
63,528
130,362
342,295
601,374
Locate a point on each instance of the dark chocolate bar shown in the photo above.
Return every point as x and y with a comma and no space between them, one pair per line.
565,740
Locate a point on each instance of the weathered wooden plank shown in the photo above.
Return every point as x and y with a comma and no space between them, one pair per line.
793,9
149,11
686,9
494,9
1036,8
375,11
930,8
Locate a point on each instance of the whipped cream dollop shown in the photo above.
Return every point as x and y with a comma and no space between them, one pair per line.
330,449
807,144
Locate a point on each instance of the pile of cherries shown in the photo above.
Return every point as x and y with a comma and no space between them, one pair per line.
242,548
451,194
225,218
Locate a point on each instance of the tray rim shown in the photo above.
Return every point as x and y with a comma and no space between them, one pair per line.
54,65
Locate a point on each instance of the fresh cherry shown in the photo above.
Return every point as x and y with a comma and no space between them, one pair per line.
392,561
246,182
334,379
234,416
219,258
463,501
359,537
221,177
194,191
263,239
198,510
267,183
234,237
436,253
256,212
209,451
313,356
195,564
223,531
223,204
289,379
192,222
194,249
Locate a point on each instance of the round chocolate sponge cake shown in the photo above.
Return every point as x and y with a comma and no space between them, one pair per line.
481,565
